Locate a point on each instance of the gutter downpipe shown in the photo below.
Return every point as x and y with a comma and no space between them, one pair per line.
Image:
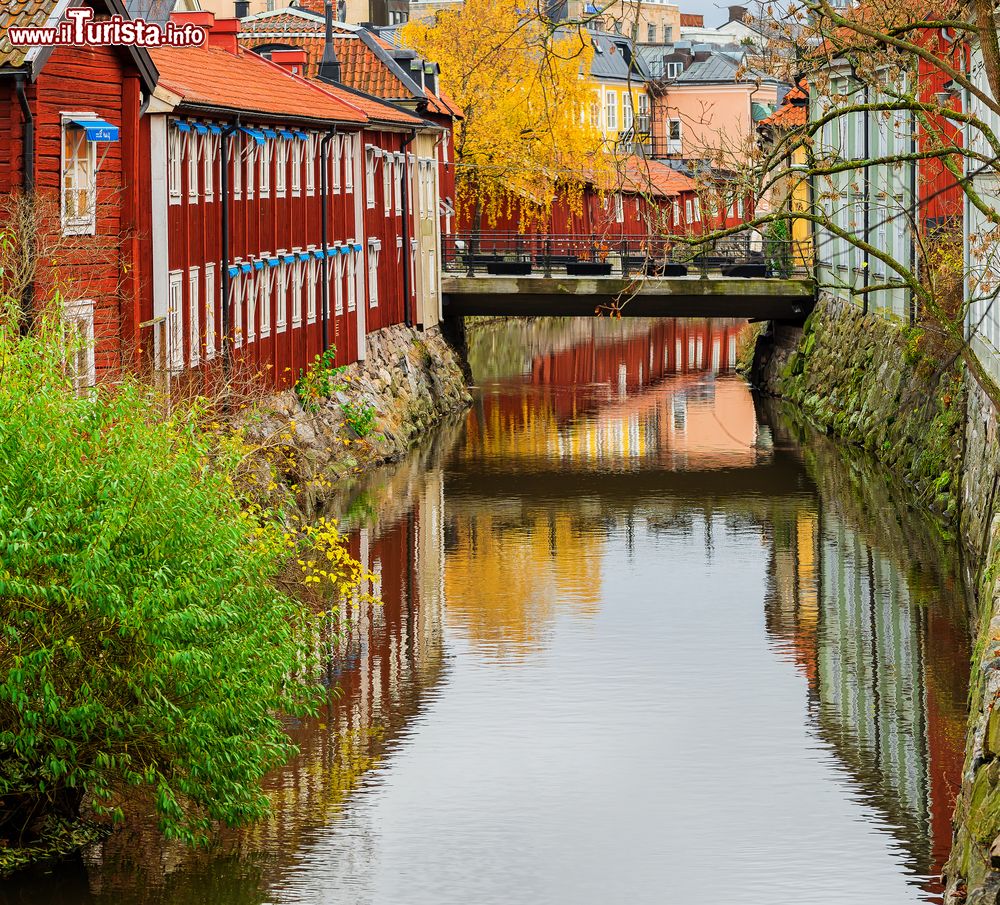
324,220
28,187
407,251
868,195
225,191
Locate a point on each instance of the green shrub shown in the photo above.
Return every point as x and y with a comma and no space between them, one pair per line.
320,380
144,642
361,418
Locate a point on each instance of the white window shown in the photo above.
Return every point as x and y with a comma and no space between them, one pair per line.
387,175
628,112
294,150
644,114
78,327
264,291
175,146
236,304
338,268
370,176
310,268
309,150
281,167
193,144
194,318
619,208
210,339
374,247
739,208
235,152
79,182
209,146
297,292
281,294
175,321
398,185
677,212
335,150
352,280
250,282
674,70
689,210
611,111
251,161
265,152
697,209
673,136
349,152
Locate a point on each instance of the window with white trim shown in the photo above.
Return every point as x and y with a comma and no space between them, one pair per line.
611,110
628,112
251,162
236,162
194,318
619,206
739,208
374,247
193,144
689,210
339,269
250,282
309,151
236,304
400,169
210,338
369,176
175,145
293,149
210,146
296,291
79,182
311,289
281,167
264,291
78,336
388,168
349,152
281,294
335,150
697,209
352,280
676,211
265,153
175,321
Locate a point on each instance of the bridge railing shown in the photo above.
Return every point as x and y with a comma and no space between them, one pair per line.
539,254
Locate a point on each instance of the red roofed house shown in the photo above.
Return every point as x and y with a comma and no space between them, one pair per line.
69,136
287,214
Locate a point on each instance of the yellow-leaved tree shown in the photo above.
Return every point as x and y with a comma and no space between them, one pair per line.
523,89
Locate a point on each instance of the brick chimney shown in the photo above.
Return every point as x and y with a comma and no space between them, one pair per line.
222,33
738,14
292,60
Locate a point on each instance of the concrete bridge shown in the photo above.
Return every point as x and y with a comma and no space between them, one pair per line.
579,276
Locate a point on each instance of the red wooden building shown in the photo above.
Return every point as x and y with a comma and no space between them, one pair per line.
69,139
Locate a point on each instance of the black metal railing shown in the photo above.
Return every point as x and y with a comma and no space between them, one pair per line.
530,254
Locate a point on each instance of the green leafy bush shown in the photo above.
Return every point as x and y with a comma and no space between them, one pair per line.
320,380
361,418
143,641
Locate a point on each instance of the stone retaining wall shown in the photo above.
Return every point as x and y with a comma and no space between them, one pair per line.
883,386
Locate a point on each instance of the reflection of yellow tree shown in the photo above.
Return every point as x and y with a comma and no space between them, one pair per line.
507,579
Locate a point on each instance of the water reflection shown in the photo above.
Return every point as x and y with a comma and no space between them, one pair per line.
639,642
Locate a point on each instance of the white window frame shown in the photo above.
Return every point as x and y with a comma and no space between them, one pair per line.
374,251
311,276
388,170
697,209
308,151
251,166
611,110
175,153
193,159
628,112
689,211
236,304
265,154
281,166
397,184
236,155
78,225
335,151
264,283
352,279
194,317
339,270
210,337
78,324
369,176
296,290
210,147
348,154
294,151
250,287
676,211
281,294
175,321
619,207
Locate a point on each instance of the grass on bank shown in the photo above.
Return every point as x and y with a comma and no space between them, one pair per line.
152,633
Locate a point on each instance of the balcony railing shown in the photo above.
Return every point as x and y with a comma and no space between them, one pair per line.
521,254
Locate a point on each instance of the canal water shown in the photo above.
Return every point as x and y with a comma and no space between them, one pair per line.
642,640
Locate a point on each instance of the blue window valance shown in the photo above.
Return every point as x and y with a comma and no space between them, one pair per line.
97,129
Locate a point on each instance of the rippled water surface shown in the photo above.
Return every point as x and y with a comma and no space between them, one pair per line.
639,643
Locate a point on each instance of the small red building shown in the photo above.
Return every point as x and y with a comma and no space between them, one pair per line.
69,143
